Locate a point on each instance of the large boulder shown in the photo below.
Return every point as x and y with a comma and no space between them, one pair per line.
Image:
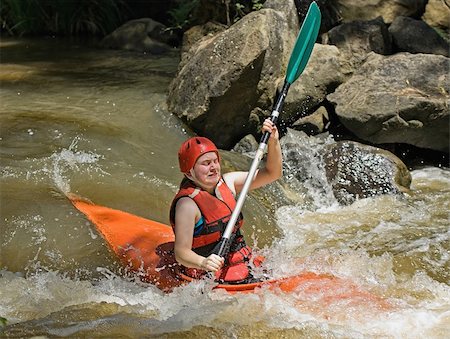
352,10
357,171
195,37
403,98
226,76
405,31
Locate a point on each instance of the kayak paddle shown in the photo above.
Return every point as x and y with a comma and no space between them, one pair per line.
299,58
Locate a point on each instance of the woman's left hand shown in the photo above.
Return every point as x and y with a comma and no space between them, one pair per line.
269,126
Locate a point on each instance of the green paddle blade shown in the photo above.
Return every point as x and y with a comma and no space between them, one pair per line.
304,44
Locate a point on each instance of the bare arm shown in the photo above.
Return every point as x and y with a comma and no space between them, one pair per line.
186,214
271,172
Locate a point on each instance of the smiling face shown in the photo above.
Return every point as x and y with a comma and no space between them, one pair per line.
206,171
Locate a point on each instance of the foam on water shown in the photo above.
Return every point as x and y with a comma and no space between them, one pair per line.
421,304
429,174
359,242
368,242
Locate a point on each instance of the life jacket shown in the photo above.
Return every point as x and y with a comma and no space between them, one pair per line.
216,210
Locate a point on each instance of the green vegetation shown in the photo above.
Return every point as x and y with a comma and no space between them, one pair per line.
240,8
187,13
3,322
62,17
182,15
100,17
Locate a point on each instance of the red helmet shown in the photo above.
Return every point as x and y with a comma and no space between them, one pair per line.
192,149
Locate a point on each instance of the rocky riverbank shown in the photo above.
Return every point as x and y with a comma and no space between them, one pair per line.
378,75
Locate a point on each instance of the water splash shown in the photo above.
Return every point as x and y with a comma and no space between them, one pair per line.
57,167
304,170
29,224
115,304
69,160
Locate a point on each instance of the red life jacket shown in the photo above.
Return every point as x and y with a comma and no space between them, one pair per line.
216,211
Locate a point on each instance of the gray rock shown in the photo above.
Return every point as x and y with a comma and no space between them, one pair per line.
405,32
142,35
219,86
326,171
323,74
357,38
246,145
195,37
357,171
402,98
313,124
288,11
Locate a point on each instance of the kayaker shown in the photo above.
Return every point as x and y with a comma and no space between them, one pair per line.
203,205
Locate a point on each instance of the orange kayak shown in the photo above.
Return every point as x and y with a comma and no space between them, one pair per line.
145,247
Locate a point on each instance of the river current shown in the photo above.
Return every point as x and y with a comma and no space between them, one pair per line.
94,122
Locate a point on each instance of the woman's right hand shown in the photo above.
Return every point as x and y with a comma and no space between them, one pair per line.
212,263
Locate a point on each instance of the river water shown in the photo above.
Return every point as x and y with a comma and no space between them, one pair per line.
94,122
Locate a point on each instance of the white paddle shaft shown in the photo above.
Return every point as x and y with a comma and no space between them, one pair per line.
248,181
